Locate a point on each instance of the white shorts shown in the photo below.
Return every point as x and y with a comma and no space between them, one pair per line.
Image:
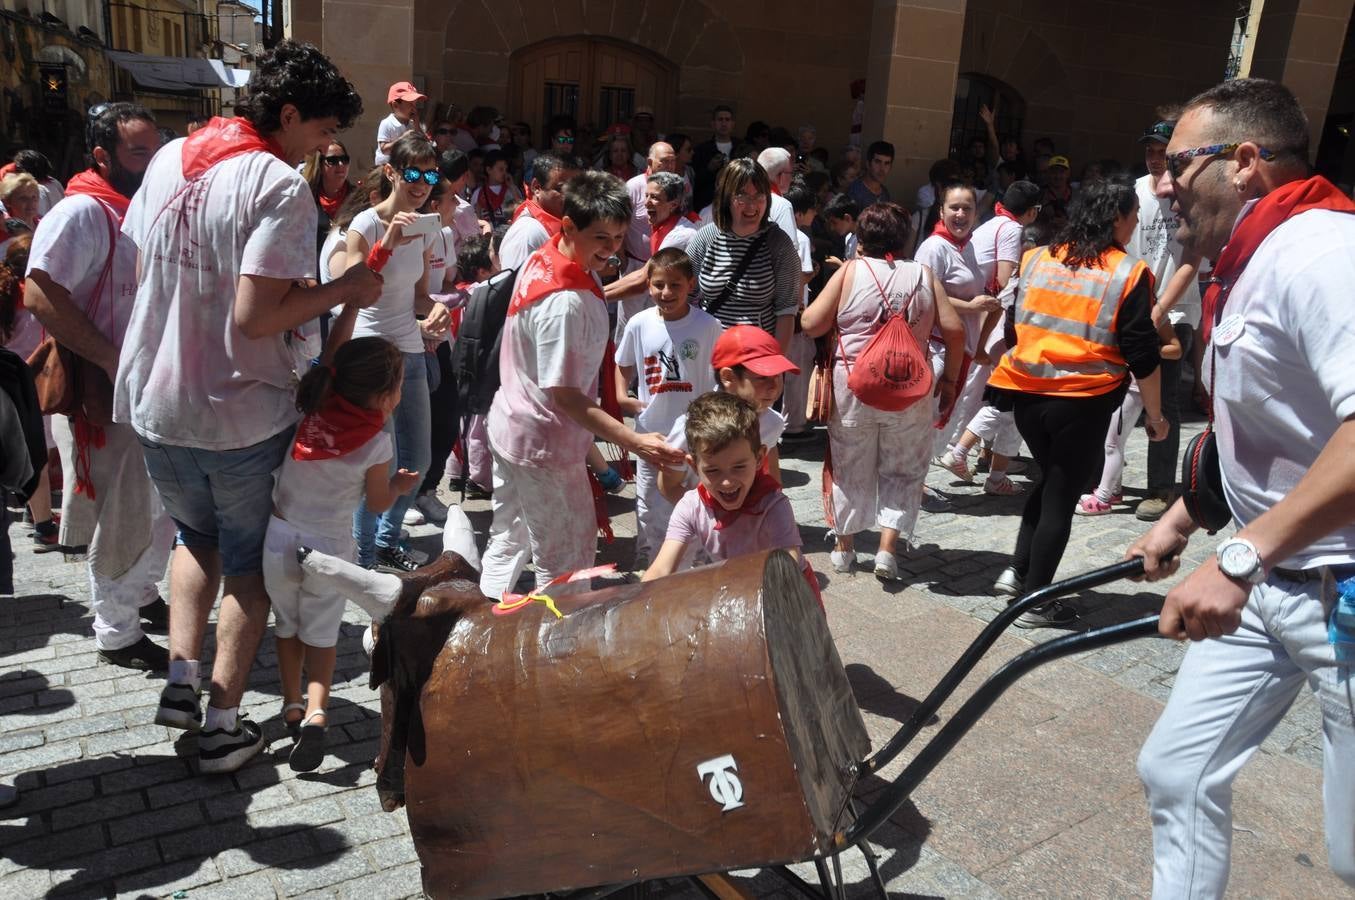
296,613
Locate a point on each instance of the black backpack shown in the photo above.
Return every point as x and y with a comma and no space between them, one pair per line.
475,356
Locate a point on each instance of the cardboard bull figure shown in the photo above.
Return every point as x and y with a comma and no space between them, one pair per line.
697,723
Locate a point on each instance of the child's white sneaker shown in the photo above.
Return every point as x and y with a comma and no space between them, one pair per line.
886,566
843,560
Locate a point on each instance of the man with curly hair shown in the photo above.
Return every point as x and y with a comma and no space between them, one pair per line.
225,229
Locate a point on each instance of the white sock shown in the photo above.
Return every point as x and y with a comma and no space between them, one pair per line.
220,718
959,453
184,671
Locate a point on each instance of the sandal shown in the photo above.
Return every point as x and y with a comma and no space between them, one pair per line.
293,727
1091,505
309,750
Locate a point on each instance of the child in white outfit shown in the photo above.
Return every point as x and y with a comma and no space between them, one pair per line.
340,455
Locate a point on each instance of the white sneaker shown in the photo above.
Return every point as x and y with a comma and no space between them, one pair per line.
886,566
1009,584
1001,486
432,508
413,516
955,466
843,560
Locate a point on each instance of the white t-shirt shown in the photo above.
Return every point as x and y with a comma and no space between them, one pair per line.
523,238
71,246
771,425
806,250
672,362
556,342
392,316
1287,382
464,221
959,271
680,236
334,245
783,214
50,193
189,376
1155,243
442,260
319,496
388,130
637,232
997,240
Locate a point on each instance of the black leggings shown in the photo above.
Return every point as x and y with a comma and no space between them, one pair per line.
1067,437
442,405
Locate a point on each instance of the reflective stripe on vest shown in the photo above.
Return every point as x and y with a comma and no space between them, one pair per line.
1068,315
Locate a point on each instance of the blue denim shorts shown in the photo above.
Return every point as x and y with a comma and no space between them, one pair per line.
220,499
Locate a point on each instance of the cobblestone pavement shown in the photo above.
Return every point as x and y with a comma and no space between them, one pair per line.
1040,800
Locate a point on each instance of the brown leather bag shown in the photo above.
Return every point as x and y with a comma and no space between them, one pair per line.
70,385
819,402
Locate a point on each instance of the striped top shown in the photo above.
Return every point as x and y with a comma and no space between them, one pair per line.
769,288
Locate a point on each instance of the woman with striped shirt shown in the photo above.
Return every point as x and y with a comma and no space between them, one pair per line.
747,269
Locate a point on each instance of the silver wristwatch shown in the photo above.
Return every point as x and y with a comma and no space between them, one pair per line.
1239,558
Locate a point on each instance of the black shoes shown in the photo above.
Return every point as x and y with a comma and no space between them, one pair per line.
145,655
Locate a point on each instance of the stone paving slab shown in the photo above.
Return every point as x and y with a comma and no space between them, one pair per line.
1040,800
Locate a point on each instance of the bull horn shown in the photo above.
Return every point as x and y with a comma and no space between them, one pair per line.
459,537
329,576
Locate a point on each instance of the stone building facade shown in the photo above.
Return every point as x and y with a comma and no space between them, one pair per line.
1087,74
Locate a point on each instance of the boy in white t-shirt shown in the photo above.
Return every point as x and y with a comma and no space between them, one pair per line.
545,414
404,100
801,349
673,341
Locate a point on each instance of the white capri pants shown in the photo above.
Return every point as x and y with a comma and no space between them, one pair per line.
1230,692
297,613
880,461
652,510
998,429
796,391
545,515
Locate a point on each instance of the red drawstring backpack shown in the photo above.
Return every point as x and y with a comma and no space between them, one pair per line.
891,372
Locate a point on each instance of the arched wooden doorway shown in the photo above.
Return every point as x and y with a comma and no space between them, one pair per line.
596,80
974,89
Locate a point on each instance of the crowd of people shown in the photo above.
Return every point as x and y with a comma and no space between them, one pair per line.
300,359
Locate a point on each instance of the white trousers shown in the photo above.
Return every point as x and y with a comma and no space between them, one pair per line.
879,464
1117,436
969,401
997,428
125,527
1229,693
652,510
795,394
545,515
479,463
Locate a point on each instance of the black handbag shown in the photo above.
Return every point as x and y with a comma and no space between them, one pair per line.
1201,475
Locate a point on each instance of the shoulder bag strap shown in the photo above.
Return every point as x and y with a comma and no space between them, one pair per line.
107,269
739,271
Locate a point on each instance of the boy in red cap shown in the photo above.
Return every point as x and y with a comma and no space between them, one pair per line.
748,363
403,99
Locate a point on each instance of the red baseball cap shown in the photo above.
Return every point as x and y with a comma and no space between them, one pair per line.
403,90
754,349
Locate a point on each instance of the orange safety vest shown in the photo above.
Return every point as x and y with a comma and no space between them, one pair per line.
1065,326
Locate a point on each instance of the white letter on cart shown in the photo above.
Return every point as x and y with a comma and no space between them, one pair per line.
725,787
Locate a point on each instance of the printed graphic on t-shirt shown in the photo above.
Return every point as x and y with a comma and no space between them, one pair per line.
663,370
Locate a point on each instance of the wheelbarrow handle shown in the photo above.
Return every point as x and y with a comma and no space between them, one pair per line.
984,697
1129,568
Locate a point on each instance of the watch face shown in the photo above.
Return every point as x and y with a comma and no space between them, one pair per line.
1237,559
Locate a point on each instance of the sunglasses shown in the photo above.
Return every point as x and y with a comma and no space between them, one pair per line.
564,139
412,175
335,160
1177,162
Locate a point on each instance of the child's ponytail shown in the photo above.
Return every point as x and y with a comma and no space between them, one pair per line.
363,370
310,394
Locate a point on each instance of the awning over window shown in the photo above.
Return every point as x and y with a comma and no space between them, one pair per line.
175,73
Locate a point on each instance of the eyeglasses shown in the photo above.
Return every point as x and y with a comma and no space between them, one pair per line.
442,131
563,139
411,175
1177,162
750,199
335,160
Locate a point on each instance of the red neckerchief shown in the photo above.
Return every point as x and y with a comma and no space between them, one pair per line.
941,230
775,190
692,217
1001,210
92,184
330,205
763,485
491,203
546,220
219,140
548,271
336,429
1269,213
660,231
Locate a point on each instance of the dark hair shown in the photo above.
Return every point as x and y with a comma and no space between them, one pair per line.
453,164
717,419
1090,229
435,195
883,229
411,148
102,129
475,153
840,206
721,107
801,198
671,258
1045,142
547,164
473,254
497,235
670,183
676,139
596,197
34,163
1256,109
481,116
815,181
943,171
1021,197
956,186
364,369
495,156
880,148
11,283
301,75
1016,169
732,178
358,198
